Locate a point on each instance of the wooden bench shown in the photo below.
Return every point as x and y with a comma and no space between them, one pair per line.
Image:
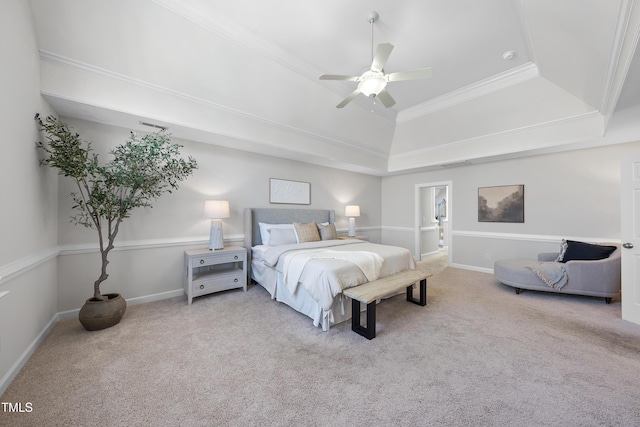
369,292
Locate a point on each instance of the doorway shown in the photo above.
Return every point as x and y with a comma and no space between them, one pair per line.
433,219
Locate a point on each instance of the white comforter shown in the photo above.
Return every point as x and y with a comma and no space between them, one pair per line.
328,267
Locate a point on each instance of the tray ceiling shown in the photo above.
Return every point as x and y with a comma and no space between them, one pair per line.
244,74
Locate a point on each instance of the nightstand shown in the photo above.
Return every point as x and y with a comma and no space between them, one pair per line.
355,237
207,271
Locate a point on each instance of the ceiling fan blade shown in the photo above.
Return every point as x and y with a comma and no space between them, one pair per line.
339,77
421,73
348,98
380,57
386,98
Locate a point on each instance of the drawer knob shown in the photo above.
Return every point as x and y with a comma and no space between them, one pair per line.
201,286
201,261
235,280
235,257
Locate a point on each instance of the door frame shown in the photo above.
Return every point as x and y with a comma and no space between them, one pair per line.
630,235
448,242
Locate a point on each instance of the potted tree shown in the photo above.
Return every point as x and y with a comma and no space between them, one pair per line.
141,170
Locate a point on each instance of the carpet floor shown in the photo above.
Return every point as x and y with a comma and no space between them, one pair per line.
476,355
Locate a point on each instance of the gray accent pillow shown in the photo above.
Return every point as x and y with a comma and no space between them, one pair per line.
328,231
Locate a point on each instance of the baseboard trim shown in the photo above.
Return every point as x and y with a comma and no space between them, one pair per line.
472,268
69,314
24,357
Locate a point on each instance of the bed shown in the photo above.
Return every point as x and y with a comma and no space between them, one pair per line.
310,276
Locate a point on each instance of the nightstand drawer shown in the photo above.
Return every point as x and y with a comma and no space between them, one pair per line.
207,271
203,261
218,282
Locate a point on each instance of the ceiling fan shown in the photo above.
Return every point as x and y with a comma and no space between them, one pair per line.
373,80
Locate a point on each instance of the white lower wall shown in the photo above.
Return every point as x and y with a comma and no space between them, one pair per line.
134,272
28,218
27,312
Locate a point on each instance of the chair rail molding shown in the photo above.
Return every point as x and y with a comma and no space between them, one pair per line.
528,237
16,268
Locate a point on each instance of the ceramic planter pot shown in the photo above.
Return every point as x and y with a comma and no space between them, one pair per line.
95,315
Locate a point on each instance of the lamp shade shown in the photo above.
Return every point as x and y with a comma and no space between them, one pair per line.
216,209
352,211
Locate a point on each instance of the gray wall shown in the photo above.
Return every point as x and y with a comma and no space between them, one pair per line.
28,219
567,195
147,262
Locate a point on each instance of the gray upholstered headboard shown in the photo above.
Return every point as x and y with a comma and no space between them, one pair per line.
253,216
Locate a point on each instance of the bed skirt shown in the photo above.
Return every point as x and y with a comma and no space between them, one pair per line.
302,302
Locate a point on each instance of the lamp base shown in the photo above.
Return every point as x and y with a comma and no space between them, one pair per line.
215,235
352,227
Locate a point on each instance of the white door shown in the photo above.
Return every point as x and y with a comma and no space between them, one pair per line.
630,234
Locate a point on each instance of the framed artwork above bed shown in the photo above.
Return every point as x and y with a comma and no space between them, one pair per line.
289,192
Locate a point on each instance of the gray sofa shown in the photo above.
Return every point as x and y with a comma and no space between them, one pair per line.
597,278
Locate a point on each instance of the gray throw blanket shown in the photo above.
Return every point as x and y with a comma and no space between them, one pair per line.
552,274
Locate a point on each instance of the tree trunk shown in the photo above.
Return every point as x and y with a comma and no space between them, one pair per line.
105,253
103,276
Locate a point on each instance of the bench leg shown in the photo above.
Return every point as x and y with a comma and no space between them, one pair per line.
423,293
369,332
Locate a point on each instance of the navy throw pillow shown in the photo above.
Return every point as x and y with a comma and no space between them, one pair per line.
586,251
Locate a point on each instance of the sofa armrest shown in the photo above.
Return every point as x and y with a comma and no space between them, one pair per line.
548,256
600,275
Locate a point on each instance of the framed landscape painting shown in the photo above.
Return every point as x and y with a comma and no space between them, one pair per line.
501,204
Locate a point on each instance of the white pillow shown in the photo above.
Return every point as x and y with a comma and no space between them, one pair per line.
264,230
282,236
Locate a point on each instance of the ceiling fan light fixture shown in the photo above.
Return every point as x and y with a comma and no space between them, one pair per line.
372,83
373,80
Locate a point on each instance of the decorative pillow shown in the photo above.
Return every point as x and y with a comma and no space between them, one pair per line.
586,251
265,236
563,249
282,236
328,231
306,232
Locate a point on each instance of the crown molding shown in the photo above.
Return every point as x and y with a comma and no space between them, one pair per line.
92,69
511,132
614,80
500,81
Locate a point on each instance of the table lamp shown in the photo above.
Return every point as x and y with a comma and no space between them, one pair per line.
216,210
352,211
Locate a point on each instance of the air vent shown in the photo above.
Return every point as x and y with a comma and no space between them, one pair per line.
154,125
456,164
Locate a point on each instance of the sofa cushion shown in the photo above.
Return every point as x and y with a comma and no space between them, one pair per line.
585,251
